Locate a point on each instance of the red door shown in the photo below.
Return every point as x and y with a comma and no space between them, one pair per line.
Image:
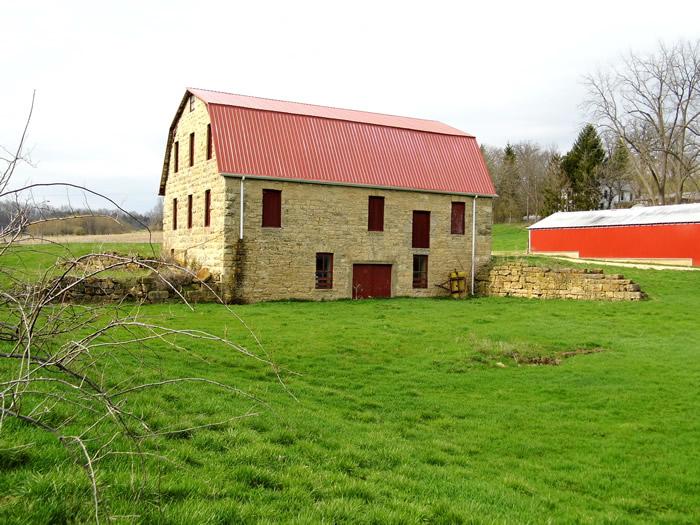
371,280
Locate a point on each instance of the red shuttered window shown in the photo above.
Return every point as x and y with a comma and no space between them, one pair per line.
324,271
420,271
176,155
191,149
189,211
272,209
174,214
421,229
208,141
457,218
375,214
207,207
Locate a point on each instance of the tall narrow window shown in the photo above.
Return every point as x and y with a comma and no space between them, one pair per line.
189,211
324,271
375,214
208,141
191,102
191,149
174,214
457,218
207,207
421,229
420,271
272,209
176,155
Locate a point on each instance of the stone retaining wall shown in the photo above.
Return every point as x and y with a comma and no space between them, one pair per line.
522,280
147,289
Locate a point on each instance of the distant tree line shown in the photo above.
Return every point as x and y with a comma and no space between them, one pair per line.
66,220
643,143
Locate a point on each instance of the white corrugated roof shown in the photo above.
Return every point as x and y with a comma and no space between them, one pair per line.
677,213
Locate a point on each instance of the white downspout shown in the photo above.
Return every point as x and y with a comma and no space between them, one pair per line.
473,242
240,236
529,240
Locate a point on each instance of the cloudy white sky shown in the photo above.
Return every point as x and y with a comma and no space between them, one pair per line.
109,75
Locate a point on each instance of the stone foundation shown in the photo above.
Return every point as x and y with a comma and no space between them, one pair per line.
522,280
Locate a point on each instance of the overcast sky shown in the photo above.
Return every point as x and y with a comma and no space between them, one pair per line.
109,75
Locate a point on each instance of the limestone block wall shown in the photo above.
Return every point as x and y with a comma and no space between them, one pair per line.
147,289
279,263
198,245
522,280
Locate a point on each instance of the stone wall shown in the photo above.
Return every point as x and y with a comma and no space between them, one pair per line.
147,289
280,263
522,280
199,245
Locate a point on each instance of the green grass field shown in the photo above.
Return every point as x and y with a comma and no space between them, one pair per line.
403,416
509,238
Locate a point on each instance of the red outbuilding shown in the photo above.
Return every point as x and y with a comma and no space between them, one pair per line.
664,234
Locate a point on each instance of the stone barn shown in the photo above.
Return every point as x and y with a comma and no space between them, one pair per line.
283,200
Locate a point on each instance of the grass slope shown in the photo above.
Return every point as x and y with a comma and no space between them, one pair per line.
509,238
403,417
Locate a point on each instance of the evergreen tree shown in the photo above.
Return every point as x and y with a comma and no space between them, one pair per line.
582,168
508,187
555,192
616,172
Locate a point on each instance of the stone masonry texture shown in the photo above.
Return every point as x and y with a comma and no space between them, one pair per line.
280,263
522,280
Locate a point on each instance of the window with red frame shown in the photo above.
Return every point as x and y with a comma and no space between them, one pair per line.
457,222
421,229
189,211
207,208
272,209
375,214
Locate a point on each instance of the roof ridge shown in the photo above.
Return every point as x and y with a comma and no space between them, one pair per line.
318,110
316,105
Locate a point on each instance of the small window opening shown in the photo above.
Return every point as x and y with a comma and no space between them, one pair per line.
174,214
191,102
420,271
189,211
208,141
421,229
375,214
176,155
191,149
324,271
272,209
457,226
207,207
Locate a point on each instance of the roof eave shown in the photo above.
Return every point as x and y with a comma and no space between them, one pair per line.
358,185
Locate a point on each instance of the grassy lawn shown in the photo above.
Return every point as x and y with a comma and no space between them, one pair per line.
509,238
403,416
30,261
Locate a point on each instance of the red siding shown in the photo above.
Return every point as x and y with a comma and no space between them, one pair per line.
662,241
375,214
421,229
371,280
457,223
272,209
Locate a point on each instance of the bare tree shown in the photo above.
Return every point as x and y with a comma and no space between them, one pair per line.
59,359
652,102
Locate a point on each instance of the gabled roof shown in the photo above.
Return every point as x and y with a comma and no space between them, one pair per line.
673,214
274,139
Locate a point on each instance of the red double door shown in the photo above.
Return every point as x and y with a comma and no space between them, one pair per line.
371,280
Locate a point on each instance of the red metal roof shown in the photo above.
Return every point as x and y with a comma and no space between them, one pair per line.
287,140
